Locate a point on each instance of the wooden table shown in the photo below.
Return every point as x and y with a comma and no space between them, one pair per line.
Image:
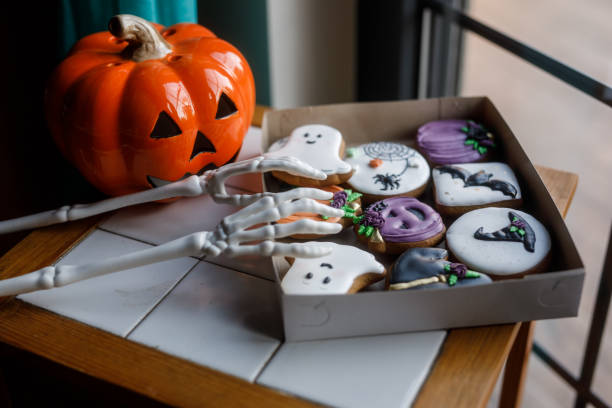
464,374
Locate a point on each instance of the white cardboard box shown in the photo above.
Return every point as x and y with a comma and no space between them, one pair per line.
553,294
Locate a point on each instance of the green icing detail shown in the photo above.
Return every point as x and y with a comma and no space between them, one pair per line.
464,129
369,231
352,196
472,274
325,217
361,229
452,280
482,149
469,141
513,228
356,220
351,152
521,232
447,267
514,219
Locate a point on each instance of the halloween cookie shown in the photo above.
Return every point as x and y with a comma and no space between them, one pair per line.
399,223
501,242
346,270
385,169
321,147
346,199
455,141
429,268
464,187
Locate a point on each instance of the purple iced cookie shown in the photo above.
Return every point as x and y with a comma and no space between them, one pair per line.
394,224
454,141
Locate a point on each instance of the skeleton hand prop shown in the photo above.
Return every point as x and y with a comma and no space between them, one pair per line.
211,182
232,237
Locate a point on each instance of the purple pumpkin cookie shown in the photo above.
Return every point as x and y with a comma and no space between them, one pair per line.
398,223
455,141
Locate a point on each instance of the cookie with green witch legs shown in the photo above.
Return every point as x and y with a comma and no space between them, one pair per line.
348,200
420,268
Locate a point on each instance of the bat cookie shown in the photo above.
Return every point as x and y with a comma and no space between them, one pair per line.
421,268
464,187
501,242
346,270
395,224
320,146
453,141
385,169
345,199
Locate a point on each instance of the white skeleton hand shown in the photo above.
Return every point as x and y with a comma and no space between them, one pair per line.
232,237
215,179
211,182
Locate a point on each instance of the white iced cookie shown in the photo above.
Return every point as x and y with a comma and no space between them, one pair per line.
346,270
320,146
499,241
384,169
460,188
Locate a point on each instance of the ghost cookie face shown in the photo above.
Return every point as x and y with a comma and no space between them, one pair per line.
428,268
346,270
460,188
396,224
385,169
348,200
502,242
455,141
321,147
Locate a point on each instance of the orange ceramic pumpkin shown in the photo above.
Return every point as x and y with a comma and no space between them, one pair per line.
144,105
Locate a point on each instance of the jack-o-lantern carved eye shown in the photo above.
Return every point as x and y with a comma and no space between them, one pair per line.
165,127
226,107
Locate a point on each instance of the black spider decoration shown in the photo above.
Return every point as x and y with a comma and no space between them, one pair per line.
389,181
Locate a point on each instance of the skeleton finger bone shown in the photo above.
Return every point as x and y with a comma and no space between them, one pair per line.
275,198
269,248
304,226
215,180
282,210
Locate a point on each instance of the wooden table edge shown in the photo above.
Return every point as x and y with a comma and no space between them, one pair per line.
152,373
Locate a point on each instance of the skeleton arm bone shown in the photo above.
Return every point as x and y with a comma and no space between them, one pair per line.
211,182
231,237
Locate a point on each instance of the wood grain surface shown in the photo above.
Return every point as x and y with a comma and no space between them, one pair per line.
464,374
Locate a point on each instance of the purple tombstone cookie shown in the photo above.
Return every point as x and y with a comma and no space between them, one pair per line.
453,141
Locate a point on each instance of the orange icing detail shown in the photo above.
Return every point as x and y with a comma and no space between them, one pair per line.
313,216
375,163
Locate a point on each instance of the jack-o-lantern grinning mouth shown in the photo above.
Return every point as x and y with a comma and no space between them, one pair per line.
158,182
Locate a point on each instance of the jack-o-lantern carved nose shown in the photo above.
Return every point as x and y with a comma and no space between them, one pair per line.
202,145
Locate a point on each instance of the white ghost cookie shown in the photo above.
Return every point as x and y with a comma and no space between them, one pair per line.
501,242
320,146
460,188
346,270
386,169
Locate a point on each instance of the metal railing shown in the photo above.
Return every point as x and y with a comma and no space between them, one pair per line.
442,82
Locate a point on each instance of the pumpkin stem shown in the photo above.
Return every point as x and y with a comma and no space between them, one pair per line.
145,42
